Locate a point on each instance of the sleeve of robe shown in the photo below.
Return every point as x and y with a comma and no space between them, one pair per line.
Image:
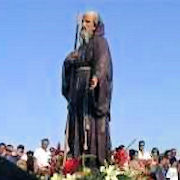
65,79
102,59
102,69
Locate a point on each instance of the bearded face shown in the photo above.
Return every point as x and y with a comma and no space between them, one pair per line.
84,36
88,28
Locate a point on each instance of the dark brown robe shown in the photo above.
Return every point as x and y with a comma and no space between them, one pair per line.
89,110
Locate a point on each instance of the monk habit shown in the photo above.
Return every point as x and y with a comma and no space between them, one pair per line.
87,128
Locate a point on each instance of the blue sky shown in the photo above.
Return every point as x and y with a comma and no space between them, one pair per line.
144,38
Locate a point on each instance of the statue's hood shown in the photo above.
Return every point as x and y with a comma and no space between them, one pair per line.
99,30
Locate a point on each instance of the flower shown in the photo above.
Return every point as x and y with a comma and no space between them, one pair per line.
56,177
70,177
111,172
121,157
71,166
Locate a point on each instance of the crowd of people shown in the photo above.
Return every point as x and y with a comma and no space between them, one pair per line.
156,165
47,160
43,161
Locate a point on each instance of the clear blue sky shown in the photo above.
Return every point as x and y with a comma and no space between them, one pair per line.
144,38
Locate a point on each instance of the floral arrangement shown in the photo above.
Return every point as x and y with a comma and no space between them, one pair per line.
74,169
111,172
71,166
121,158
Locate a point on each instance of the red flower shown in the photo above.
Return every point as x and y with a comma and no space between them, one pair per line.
121,157
71,166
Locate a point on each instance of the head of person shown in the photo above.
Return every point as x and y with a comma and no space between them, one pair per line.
168,154
90,22
141,145
45,143
133,154
2,148
20,150
120,147
52,151
9,150
155,153
30,161
30,153
163,160
173,152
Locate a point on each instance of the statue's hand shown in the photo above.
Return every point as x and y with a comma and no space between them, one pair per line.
72,56
93,82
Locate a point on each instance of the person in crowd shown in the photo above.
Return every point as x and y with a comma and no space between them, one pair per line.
20,150
30,161
173,153
154,156
53,160
168,154
142,154
161,171
134,162
42,157
9,153
115,151
120,147
18,153
154,162
2,149
172,173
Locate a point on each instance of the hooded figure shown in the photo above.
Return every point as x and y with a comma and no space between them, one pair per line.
87,86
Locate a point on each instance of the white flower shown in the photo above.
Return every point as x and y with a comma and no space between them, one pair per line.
56,177
110,171
70,177
102,169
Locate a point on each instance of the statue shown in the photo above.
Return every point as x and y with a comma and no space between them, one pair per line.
87,87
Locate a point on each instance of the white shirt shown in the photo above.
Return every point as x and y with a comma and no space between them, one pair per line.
144,156
42,157
172,173
24,157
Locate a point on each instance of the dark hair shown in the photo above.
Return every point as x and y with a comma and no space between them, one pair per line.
155,150
45,139
52,149
120,147
172,160
8,147
161,157
30,153
30,161
2,144
132,153
20,147
142,142
173,150
166,153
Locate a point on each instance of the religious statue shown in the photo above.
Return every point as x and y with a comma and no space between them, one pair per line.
87,87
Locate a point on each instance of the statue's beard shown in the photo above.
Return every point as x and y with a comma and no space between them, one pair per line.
84,37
